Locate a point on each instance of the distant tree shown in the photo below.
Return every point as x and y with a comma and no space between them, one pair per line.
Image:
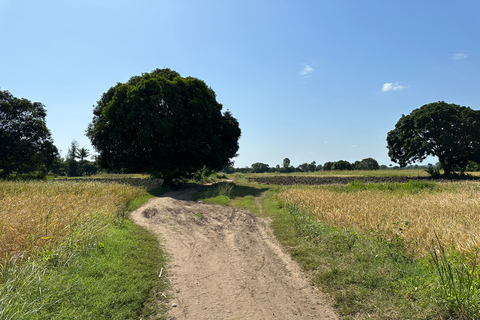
163,124
58,167
367,164
78,168
342,165
259,167
25,141
303,167
448,131
228,169
312,166
72,152
286,163
83,154
319,167
89,168
327,166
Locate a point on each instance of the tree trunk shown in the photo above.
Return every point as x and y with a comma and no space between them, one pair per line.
446,168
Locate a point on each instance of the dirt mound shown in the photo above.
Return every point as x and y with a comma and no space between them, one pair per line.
226,264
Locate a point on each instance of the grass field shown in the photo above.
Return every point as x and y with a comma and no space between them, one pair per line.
372,247
69,252
38,214
414,211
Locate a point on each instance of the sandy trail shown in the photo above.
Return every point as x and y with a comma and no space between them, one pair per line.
226,264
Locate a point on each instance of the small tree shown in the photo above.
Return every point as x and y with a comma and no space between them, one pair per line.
303,167
327,166
78,168
259,167
342,165
367,164
83,154
312,166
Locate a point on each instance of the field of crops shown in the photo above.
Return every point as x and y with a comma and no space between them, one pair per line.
413,211
35,214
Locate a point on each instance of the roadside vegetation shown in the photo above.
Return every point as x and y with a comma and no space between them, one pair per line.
381,251
68,251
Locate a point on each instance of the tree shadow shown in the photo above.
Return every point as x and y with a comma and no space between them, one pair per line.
243,191
189,191
229,189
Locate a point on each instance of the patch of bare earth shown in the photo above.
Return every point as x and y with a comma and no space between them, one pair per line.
226,264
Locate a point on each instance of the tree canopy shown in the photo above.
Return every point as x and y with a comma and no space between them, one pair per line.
448,131
366,164
162,124
25,141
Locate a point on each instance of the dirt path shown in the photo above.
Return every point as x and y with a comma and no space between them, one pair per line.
226,264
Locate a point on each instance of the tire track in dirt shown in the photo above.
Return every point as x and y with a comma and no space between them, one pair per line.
226,264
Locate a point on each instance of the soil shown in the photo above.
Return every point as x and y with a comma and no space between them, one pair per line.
293,180
226,264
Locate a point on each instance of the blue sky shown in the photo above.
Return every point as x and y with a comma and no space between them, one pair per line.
312,80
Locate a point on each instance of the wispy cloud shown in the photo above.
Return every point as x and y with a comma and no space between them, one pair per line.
389,86
459,56
307,69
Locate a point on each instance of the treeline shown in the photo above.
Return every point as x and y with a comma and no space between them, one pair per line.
286,167
75,164
365,164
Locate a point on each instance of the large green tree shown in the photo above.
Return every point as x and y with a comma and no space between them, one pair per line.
25,141
162,124
448,131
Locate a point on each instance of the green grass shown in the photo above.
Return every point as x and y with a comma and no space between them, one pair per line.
112,280
367,276
111,275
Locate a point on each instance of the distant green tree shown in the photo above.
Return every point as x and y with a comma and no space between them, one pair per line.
72,152
448,131
303,167
82,167
327,166
259,167
228,169
367,164
58,167
286,163
25,141
342,165
83,154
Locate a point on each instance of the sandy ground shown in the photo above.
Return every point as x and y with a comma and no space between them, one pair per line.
226,264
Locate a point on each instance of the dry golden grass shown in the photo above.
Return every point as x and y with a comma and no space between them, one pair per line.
33,214
452,210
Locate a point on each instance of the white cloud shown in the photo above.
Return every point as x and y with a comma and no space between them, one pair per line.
459,56
389,86
306,70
